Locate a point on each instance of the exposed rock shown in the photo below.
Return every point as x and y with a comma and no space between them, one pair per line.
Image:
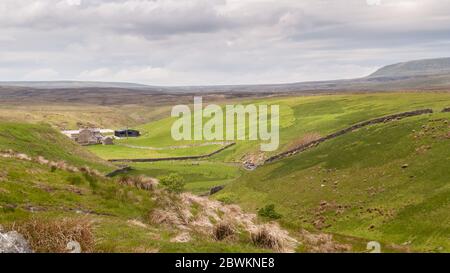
216,190
250,166
13,242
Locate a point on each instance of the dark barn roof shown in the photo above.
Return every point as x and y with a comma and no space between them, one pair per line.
126,132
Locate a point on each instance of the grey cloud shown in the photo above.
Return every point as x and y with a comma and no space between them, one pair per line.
215,41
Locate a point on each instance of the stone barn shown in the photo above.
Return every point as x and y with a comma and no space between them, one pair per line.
89,137
107,141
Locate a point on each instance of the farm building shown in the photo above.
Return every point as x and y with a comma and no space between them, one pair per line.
127,133
90,136
107,141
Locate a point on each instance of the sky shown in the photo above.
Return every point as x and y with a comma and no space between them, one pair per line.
213,42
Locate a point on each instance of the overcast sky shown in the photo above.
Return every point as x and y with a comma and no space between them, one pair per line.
190,42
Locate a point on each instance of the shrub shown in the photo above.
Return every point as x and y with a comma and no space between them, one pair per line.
269,212
173,182
140,182
52,236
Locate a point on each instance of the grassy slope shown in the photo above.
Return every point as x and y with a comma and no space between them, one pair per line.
200,176
370,178
362,173
30,190
75,115
299,116
26,187
42,140
124,152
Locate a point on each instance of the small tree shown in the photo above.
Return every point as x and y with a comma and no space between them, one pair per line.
173,182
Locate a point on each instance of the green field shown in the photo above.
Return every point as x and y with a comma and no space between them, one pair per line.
359,175
300,116
119,151
387,182
200,176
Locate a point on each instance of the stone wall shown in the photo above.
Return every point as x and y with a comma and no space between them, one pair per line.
314,143
173,158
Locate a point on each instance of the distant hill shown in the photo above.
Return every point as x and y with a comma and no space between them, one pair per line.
415,68
71,84
429,74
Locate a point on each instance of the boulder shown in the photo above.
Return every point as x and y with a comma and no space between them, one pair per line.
13,242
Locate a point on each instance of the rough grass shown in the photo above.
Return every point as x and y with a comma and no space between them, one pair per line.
198,215
223,230
267,236
53,236
35,198
42,140
140,182
355,186
387,182
40,199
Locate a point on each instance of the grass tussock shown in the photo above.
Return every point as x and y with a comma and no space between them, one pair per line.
141,182
52,236
270,236
322,243
165,217
223,230
199,215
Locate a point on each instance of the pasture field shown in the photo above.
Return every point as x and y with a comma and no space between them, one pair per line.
200,176
120,151
387,182
304,115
